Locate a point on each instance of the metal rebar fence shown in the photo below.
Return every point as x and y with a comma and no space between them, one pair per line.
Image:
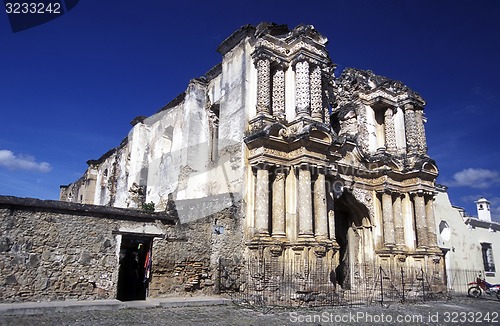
302,283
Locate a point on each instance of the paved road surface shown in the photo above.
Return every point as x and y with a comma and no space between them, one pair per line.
462,311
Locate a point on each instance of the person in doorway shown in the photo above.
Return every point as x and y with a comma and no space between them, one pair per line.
128,277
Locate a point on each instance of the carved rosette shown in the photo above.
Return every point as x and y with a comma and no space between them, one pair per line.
279,93
316,99
390,131
302,88
263,85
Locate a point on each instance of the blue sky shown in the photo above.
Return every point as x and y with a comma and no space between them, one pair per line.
70,87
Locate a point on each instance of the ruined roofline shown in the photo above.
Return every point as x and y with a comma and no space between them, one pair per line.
235,38
176,101
12,202
366,81
104,156
278,31
213,72
207,77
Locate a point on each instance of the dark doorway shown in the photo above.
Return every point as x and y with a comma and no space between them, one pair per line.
342,220
349,216
135,268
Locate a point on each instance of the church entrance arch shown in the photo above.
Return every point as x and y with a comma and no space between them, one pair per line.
354,237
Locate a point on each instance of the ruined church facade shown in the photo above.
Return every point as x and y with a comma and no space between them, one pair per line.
329,172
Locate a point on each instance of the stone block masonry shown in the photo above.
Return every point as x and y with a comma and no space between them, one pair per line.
52,250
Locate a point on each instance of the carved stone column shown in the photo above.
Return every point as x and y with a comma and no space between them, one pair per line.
398,222
421,140
390,131
431,223
305,204
411,129
388,220
421,220
279,93
278,218
320,210
331,214
263,85
316,97
302,89
262,203
363,134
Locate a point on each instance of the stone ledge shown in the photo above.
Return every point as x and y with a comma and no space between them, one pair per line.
84,209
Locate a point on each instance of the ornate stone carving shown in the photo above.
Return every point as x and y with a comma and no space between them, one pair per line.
279,93
263,85
411,129
316,98
362,128
348,121
367,85
302,92
365,198
270,45
420,129
390,131
303,45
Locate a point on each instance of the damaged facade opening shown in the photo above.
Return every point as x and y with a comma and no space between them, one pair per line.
272,157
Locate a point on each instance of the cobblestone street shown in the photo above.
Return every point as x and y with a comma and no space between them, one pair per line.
462,311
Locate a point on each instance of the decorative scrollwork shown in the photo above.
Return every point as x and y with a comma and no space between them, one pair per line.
316,98
302,87
279,93
263,85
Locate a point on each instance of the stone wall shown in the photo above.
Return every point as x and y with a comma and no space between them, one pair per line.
52,250
191,263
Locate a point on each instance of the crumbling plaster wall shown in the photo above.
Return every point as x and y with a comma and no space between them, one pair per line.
169,153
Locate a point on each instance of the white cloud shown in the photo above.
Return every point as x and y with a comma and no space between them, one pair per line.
22,162
475,178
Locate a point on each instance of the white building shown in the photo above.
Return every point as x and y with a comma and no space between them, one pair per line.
469,243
